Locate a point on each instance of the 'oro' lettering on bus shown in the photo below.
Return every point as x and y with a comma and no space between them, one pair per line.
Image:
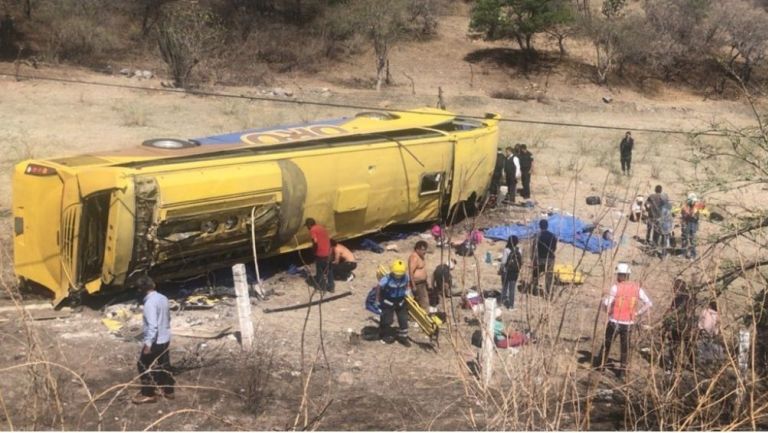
292,134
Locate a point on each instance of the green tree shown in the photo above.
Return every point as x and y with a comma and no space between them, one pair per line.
519,19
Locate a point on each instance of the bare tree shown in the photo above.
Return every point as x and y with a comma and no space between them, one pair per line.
187,33
382,24
743,29
681,35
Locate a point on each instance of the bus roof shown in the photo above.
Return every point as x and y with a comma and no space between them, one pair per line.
361,123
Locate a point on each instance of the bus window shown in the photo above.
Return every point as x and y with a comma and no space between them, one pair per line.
430,183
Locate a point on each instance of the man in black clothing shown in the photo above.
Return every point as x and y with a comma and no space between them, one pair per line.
544,247
497,171
653,207
526,165
625,149
512,171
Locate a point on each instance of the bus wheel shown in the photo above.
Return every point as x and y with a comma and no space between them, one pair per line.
169,143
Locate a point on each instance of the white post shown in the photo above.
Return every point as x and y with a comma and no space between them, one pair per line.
744,351
489,345
243,306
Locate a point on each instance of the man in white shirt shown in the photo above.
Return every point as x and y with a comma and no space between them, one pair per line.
621,305
154,362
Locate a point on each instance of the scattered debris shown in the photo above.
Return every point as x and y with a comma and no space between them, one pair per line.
280,91
392,247
306,304
48,315
206,333
607,99
199,302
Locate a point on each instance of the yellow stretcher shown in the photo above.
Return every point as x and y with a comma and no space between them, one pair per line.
566,274
429,324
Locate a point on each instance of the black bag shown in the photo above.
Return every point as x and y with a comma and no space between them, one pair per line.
465,249
593,200
477,338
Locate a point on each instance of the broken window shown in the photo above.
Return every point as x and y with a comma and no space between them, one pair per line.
430,183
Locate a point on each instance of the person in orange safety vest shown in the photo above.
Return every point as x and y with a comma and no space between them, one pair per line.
621,303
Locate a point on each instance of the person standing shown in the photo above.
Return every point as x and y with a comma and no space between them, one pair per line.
321,243
417,273
677,324
154,361
543,252
625,151
511,262
498,169
621,305
526,167
512,172
390,295
654,205
689,213
343,262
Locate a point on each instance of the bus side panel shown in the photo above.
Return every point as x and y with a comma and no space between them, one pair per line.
355,191
425,162
473,165
37,220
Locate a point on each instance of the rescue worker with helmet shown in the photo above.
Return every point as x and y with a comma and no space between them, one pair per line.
390,294
689,213
621,305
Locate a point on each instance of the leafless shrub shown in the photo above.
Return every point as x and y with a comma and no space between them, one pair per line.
513,94
258,367
186,34
655,170
131,114
80,33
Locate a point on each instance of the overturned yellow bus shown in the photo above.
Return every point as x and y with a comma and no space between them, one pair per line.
174,208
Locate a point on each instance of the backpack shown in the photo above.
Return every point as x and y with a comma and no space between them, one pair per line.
514,262
666,220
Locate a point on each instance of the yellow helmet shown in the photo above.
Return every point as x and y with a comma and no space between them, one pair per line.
397,268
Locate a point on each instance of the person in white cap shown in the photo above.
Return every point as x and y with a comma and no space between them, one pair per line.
621,305
689,213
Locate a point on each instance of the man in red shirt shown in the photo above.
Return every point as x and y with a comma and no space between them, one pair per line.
321,243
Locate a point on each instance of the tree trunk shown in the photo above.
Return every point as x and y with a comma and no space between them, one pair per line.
561,45
28,9
382,58
520,42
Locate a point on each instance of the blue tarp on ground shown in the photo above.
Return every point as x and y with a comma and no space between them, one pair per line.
567,228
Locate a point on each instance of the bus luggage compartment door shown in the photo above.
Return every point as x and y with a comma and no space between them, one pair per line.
202,216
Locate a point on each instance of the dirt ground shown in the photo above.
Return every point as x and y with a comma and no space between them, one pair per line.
355,384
